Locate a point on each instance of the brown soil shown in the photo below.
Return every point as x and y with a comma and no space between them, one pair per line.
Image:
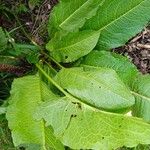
34,20
138,50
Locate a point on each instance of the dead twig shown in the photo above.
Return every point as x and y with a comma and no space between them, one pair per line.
145,46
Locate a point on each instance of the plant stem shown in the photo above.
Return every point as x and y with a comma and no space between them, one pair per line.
139,95
33,42
13,30
50,66
21,27
52,81
25,33
63,91
51,58
57,63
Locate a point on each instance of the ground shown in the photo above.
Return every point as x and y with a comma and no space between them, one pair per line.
138,50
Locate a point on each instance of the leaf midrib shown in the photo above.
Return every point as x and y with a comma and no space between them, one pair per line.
72,45
140,95
73,13
132,92
121,16
108,88
71,98
75,98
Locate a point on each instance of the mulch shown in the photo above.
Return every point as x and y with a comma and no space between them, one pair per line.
138,50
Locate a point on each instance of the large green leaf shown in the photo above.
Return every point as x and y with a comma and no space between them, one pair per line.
124,68
142,93
52,143
25,98
119,20
81,126
71,14
101,87
139,84
70,47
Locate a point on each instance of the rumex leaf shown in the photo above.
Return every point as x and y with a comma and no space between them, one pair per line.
70,15
70,47
26,95
124,68
81,126
100,87
141,90
118,21
138,84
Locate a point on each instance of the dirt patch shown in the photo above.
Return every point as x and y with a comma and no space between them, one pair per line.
33,19
138,50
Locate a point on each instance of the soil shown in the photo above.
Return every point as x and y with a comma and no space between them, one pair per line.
138,50
33,19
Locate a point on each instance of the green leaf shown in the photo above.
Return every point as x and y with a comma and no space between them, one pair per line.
30,147
54,142
124,68
71,15
21,8
70,47
2,110
10,60
30,52
118,21
100,88
26,95
141,88
33,3
3,40
81,126
139,84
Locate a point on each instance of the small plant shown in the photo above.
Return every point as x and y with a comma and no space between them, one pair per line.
81,92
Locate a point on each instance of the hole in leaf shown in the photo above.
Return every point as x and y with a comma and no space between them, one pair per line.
66,57
78,104
73,115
